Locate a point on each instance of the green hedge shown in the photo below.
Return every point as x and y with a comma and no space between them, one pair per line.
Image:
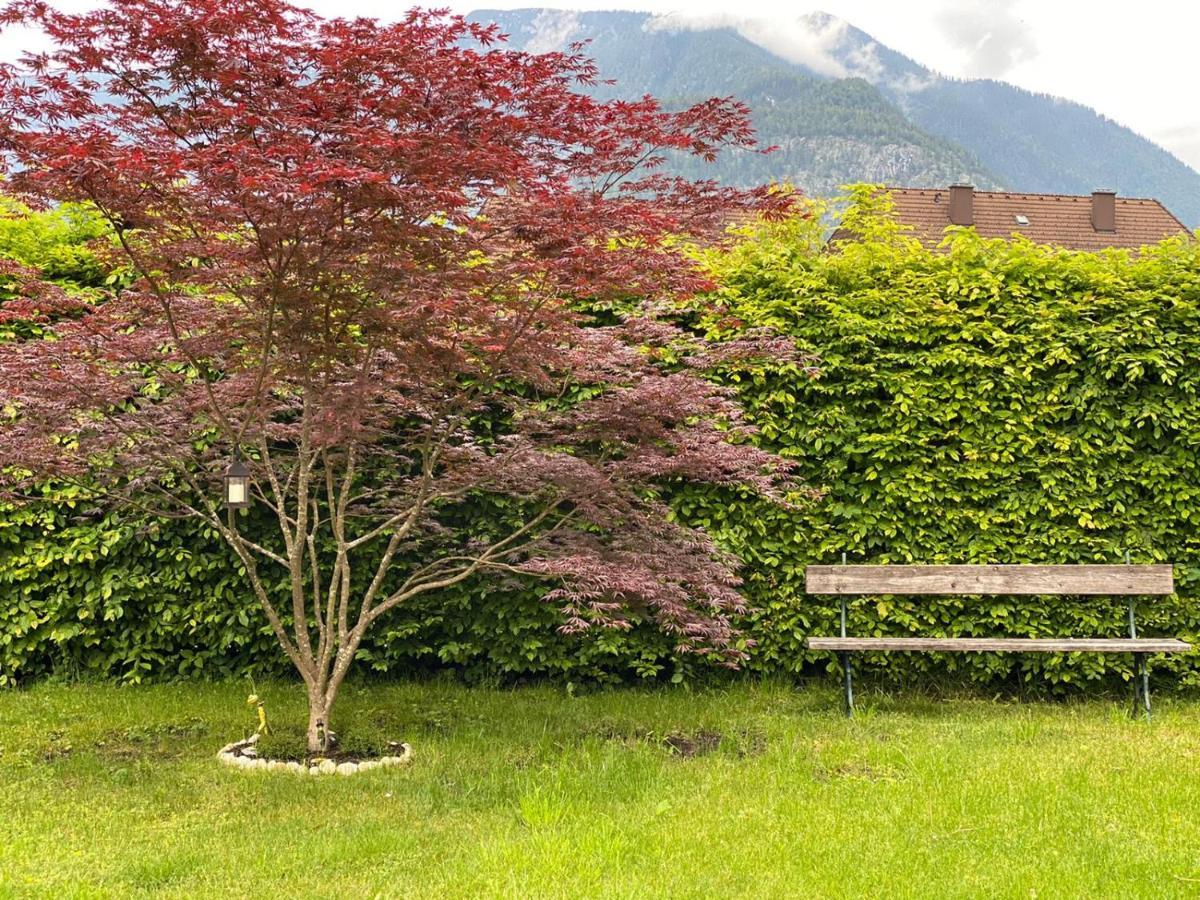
102,596
992,402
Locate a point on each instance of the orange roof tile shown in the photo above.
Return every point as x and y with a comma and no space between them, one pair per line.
1062,220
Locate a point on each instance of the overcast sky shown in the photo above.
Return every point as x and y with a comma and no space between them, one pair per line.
1132,61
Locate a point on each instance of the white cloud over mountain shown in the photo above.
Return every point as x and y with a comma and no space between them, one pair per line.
992,37
810,41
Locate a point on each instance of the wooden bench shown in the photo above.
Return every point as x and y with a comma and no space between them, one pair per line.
1121,580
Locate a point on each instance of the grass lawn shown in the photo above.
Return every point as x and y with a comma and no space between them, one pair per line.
109,791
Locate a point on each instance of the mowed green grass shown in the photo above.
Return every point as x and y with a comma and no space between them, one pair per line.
110,791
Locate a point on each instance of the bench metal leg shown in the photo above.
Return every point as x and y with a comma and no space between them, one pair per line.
847,672
1141,673
1141,686
847,683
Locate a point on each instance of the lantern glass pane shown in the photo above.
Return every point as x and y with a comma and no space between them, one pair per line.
236,490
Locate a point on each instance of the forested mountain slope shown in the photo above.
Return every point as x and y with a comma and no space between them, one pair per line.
882,118
829,132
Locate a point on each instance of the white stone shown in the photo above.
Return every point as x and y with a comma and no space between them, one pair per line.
313,770
368,765
293,766
277,765
398,760
327,767
258,764
347,768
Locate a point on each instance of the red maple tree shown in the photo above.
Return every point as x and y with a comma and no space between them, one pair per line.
359,252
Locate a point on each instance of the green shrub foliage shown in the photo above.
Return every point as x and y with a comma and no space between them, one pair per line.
104,596
57,242
986,402
989,401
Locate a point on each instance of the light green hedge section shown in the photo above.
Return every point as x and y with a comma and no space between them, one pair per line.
985,402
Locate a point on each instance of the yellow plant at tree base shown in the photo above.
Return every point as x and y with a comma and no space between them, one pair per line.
255,700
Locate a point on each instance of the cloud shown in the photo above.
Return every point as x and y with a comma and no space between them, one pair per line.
818,41
16,41
863,61
990,34
912,83
809,41
552,30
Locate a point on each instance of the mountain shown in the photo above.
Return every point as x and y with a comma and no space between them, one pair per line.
1032,142
842,107
828,131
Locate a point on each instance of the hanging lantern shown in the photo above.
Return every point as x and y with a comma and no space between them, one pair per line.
237,485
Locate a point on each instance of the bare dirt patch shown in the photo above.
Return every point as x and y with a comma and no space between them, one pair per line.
698,744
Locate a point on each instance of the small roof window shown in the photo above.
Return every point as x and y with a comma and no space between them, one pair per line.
1021,220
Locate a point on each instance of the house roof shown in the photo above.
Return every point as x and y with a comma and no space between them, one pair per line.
1062,220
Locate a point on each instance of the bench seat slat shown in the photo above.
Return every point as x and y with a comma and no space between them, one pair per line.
990,645
990,579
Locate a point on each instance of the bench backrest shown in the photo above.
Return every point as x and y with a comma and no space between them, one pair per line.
1078,580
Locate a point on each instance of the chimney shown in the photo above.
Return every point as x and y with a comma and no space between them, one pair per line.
1104,210
962,204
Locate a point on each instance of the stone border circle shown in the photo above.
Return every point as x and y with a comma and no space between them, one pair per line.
243,755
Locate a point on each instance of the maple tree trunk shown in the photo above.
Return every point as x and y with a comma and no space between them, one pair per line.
322,693
318,721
